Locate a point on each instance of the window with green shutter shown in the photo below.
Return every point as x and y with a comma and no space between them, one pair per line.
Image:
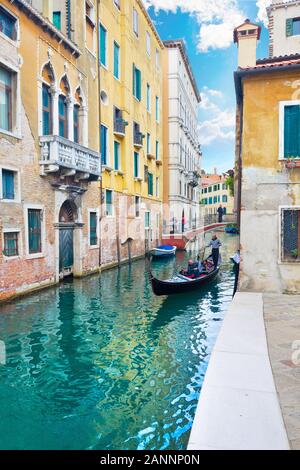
8,184
136,164
35,231
292,131
11,244
150,184
289,27
103,138
116,155
57,19
93,229
137,83
103,40
116,60
109,206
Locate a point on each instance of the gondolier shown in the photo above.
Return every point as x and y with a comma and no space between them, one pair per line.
215,245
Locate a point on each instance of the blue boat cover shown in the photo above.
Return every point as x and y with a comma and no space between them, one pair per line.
165,247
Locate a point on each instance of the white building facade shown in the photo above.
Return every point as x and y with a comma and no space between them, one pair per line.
284,27
182,165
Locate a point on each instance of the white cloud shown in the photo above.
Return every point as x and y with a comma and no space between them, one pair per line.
216,18
262,12
220,127
218,123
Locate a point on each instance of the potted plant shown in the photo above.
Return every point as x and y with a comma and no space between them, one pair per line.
294,253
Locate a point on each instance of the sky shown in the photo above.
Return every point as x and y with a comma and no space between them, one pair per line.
207,29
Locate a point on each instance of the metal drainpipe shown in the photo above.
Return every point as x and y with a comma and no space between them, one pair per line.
240,169
99,133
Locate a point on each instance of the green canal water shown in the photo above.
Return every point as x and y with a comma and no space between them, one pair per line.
101,363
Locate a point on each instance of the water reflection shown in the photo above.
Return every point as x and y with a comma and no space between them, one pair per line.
101,363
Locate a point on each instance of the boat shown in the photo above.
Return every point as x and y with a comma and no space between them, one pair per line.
163,250
233,230
179,283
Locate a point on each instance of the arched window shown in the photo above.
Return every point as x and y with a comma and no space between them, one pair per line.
63,108
47,105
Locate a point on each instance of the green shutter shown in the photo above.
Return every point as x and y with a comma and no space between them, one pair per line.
136,164
8,184
150,184
102,45
138,84
57,19
289,27
34,231
116,155
116,60
93,229
103,145
292,131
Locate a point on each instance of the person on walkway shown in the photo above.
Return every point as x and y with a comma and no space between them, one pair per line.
220,213
215,245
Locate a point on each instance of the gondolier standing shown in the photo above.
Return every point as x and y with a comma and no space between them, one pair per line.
215,244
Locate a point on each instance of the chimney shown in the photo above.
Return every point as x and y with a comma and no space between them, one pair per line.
48,9
246,36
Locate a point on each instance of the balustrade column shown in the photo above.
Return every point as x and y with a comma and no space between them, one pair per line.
70,117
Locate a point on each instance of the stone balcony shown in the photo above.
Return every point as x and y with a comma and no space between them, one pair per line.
193,179
60,155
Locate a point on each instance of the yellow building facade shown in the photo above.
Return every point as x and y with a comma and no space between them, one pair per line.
215,192
49,143
130,53
268,164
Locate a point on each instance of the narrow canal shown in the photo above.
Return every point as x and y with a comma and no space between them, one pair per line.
101,363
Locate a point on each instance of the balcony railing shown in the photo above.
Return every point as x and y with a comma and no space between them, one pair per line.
61,155
193,179
120,126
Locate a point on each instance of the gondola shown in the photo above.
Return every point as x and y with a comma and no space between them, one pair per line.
179,283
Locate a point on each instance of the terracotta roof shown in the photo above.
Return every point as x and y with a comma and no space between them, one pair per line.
269,63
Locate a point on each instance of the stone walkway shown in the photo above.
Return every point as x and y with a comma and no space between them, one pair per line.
282,320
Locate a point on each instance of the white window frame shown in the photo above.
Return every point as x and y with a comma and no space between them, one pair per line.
282,105
149,227
157,187
117,4
17,198
157,104
109,216
157,59
93,247
105,66
135,22
20,244
108,162
16,101
148,98
139,206
43,229
14,42
148,43
119,60
280,258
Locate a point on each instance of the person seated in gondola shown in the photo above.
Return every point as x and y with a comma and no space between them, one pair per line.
192,270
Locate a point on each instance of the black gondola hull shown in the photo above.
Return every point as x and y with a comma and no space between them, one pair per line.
169,288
